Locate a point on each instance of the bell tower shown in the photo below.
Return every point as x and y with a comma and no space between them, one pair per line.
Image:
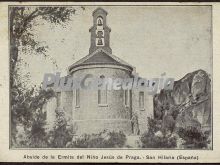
100,32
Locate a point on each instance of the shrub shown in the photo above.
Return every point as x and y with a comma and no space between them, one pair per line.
105,139
155,137
21,137
153,125
60,135
194,137
116,139
152,140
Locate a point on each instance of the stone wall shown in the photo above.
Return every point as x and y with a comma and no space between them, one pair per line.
90,116
66,104
50,108
142,113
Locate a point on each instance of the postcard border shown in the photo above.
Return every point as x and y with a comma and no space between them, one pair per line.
11,148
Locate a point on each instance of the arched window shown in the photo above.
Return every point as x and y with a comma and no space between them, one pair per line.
77,97
58,99
102,95
141,100
99,21
126,98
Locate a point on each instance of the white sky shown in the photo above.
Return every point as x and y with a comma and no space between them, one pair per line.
175,40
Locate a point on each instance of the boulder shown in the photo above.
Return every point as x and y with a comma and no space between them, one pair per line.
189,102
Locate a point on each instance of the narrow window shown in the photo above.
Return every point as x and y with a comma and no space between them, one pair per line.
58,99
102,95
77,98
99,21
126,98
141,100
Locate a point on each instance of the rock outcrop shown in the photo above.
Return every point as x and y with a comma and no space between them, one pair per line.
189,103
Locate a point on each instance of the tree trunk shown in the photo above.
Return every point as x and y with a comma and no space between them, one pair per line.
13,43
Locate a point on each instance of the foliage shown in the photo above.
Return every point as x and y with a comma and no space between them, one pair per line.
194,137
27,112
20,138
155,137
27,103
105,139
150,140
37,135
22,20
168,123
60,135
159,137
153,125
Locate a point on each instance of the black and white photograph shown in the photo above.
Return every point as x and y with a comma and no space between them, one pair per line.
110,77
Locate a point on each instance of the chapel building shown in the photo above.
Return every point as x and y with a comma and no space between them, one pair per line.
92,111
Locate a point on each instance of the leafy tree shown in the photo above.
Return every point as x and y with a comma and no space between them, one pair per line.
22,20
60,134
27,111
37,134
26,103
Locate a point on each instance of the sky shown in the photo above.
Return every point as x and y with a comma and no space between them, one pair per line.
154,39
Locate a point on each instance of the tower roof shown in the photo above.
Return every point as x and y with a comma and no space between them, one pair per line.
99,9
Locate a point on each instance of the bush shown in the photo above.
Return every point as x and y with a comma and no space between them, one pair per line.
194,137
116,139
105,139
152,140
155,137
60,135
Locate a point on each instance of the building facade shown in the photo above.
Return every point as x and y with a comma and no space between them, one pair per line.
92,111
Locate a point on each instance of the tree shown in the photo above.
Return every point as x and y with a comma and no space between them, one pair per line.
27,111
26,103
60,134
22,19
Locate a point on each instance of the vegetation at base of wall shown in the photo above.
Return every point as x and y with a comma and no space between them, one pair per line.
104,139
156,137
194,137
61,133
159,136
61,136
152,141
28,118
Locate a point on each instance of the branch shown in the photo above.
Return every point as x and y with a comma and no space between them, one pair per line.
28,20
